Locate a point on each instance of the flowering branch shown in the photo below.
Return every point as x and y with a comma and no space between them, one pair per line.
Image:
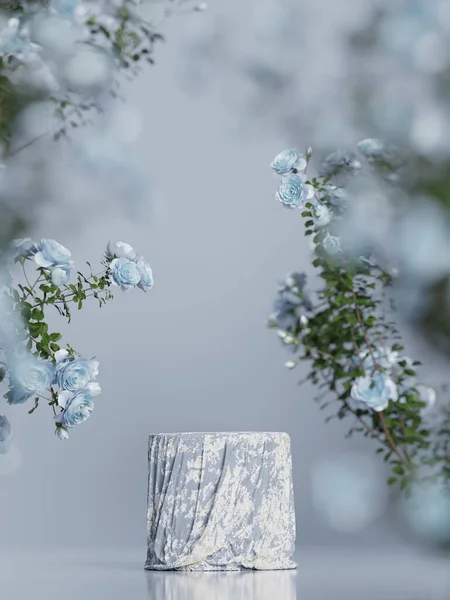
349,341
32,360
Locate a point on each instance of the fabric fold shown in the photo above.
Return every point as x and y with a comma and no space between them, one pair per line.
220,501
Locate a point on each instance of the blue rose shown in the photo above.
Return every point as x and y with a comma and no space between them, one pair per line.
29,375
375,392
24,247
5,435
146,274
125,273
77,408
60,275
75,373
288,160
293,192
51,253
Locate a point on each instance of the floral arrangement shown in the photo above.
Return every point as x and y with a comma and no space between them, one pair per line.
32,359
346,329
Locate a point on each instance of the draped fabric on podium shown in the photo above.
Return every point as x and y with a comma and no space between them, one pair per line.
220,501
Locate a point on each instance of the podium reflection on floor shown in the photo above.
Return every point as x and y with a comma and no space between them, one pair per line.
235,585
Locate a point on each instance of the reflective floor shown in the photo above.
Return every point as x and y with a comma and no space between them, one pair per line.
331,574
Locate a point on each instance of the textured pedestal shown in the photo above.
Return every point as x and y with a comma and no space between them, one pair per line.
220,501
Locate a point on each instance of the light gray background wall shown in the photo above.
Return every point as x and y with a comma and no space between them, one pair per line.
194,354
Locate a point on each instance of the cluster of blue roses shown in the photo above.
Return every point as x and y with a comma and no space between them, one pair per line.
293,308
48,254
295,191
128,270
30,376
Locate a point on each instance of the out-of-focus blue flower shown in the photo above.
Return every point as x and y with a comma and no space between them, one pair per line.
294,192
338,196
15,41
371,147
28,375
120,250
349,491
24,247
67,8
427,511
77,408
339,161
75,373
382,356
321,215
288,160
377,150
375,392
291,302
5,435
331,244
125,273
51,254
427,394
421,244
60,275
146,282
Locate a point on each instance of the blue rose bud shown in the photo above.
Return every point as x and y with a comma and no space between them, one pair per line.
125,273
62,433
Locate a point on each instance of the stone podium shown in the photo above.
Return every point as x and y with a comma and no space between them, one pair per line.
220,502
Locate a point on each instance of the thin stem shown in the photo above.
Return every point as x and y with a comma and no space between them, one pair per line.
364,332
26,145
390,440
28,282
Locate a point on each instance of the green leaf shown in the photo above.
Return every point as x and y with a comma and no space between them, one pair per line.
35,329
54,347
398,469
55,337
37,314
391,480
